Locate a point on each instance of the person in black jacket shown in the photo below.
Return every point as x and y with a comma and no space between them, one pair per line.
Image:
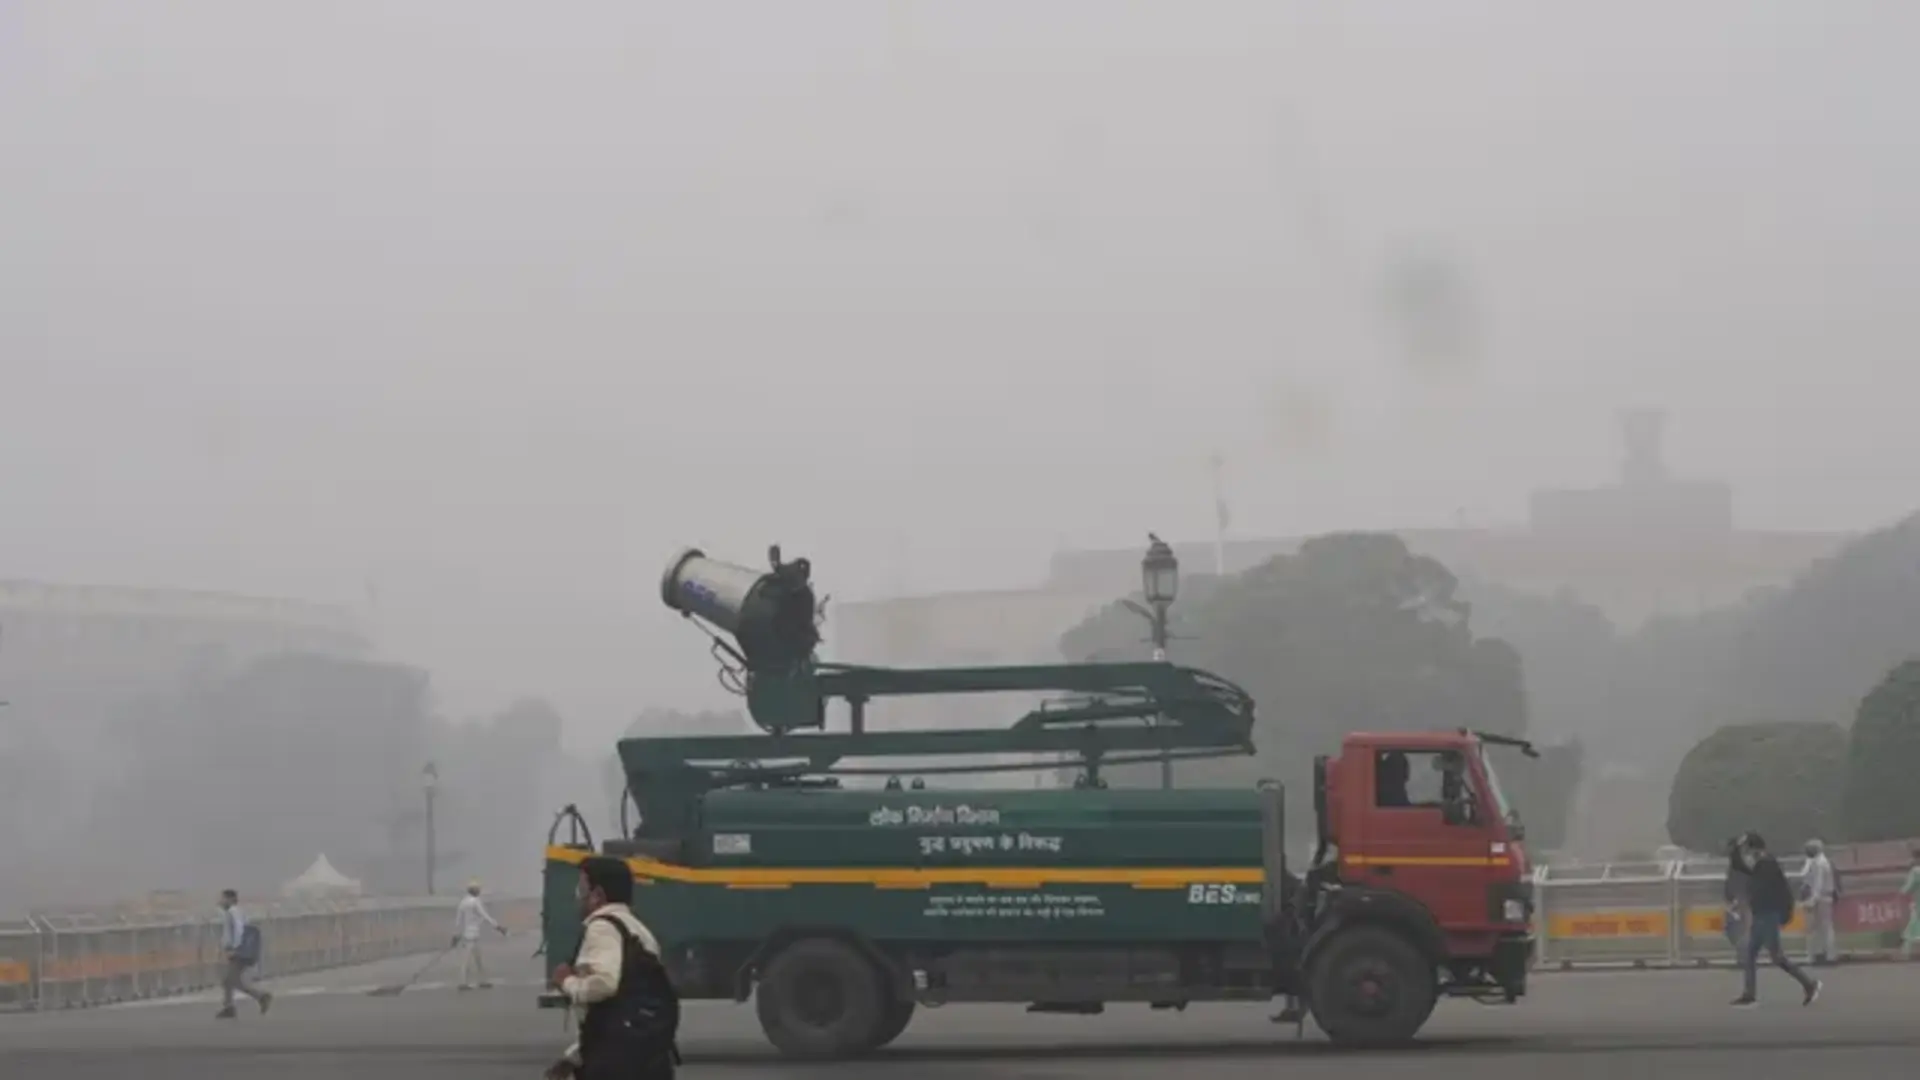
1734,892
1771,900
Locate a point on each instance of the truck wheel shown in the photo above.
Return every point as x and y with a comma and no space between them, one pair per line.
820,998
898,1014
1371,987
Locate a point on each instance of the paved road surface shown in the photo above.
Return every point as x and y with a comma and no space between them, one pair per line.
1624,1026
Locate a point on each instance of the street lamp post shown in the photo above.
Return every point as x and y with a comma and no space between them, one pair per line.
429,785
1160,583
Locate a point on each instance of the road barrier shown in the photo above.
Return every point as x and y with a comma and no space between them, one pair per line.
57,961
1672,914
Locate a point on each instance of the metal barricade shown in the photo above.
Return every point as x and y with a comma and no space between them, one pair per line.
1700,898
69,960
19,965
1609,913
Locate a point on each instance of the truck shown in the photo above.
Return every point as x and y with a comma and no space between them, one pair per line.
838,911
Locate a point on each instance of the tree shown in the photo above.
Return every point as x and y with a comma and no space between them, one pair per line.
1354,632
1783,780
1808,649
244,777
1883,758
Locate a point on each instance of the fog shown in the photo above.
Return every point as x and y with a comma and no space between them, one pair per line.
464,313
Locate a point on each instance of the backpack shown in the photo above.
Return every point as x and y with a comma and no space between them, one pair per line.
634,1033
249,951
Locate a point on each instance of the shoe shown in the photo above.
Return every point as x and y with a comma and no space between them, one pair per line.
1289,1016
225,1014
266,1002
464,988
486,986
1744,1002
1813,992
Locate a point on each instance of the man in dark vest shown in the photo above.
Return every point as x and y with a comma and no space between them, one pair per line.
628,1010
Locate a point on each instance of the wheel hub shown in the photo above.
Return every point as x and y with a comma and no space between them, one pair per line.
818,1001
1372,991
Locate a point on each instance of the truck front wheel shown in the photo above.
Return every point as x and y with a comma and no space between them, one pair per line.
820,998
1370,987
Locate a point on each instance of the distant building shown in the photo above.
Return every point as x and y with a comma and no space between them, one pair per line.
1647,545
134,637
76,660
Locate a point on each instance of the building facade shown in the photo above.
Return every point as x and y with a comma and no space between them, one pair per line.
74,662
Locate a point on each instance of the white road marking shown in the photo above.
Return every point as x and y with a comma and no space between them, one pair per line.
206,997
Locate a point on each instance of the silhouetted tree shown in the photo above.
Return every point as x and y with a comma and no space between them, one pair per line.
1884,759
1354,632
1782,779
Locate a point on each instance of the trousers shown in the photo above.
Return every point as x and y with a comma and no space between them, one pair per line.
1820,936
1764,934
471,963
237,979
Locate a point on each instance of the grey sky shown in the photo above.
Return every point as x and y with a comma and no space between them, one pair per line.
492,304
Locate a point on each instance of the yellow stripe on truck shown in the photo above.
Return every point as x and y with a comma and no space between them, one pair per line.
910,877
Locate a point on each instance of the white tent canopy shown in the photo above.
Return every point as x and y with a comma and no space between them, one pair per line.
321,879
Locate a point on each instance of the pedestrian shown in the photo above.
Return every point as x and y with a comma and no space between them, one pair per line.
1739,915
1819,888
240,947
469,919
629,1011
1911,890
1771,900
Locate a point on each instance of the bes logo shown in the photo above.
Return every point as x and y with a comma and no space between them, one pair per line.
1222,894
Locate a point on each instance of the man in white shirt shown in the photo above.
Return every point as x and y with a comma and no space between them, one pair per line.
240,955
469,919
1819,888
601,989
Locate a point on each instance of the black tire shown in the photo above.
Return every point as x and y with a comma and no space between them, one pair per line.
898,1014
820,999
1370,987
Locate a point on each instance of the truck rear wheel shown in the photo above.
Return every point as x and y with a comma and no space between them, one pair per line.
898,1014
1371,987
820,998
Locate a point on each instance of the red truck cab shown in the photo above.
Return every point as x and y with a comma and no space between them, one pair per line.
1416,832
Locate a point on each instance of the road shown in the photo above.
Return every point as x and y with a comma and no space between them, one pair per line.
1621,1026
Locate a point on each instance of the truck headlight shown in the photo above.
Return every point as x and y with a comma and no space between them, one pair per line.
1514,911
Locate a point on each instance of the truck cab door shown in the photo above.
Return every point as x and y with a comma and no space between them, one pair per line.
1423,832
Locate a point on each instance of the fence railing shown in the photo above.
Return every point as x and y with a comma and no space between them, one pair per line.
1671,914
73,960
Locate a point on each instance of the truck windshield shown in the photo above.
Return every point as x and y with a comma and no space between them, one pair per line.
1507,813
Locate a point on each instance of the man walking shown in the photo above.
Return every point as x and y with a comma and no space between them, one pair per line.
1820,888
1735,893
1771,900
240,945
629,1011
469,919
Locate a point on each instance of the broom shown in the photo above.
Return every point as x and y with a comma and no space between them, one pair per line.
396,989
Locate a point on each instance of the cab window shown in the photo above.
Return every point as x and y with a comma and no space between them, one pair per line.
1420,779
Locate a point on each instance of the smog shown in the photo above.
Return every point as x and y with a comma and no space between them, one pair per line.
1537,373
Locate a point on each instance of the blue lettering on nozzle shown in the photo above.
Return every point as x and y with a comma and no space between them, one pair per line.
699,594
